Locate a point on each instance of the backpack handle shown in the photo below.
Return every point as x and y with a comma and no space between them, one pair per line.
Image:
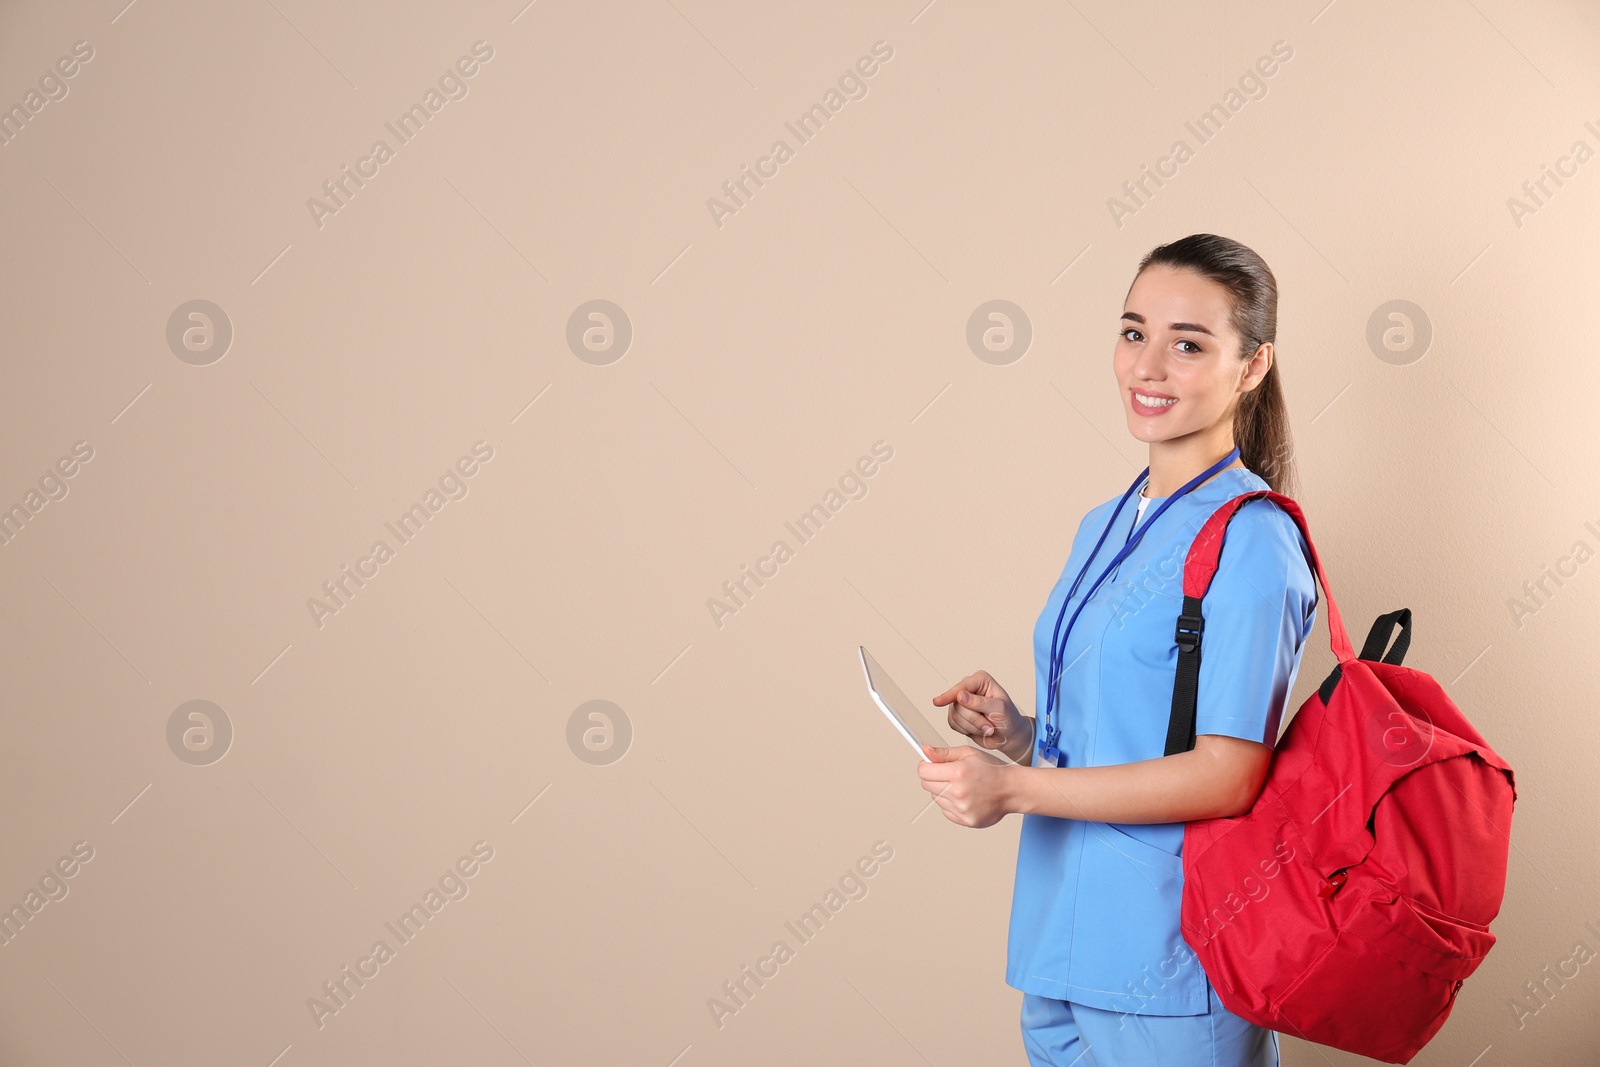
1201,565
1382,630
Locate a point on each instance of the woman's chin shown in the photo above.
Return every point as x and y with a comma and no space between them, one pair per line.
1145,431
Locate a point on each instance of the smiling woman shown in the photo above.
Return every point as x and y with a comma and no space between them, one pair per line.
1104,785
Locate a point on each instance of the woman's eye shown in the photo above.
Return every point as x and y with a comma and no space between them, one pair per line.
1196,347
1132,330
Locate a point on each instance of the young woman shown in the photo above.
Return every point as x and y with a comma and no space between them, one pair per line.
1094,944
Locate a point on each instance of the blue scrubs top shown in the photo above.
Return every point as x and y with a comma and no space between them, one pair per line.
1094,913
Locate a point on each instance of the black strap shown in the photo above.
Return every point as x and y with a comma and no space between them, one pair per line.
1329,684
1378,639
1186,688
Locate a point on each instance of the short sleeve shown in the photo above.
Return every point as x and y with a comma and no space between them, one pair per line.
1259,611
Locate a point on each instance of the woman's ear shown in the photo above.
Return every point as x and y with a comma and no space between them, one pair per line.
1256,367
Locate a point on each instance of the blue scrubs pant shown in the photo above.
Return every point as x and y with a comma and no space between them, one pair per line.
1058,1033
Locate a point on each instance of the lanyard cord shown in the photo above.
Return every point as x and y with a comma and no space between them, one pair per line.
1049,741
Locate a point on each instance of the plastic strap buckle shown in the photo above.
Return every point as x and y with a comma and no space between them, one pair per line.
1334,883
1187,634
1047,745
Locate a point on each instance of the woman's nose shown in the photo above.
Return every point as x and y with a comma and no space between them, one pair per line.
1150,366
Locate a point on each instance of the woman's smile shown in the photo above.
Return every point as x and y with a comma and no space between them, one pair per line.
1151,403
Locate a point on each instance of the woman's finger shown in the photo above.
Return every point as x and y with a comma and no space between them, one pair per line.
967,722
951,812
990,709
990,706
971,683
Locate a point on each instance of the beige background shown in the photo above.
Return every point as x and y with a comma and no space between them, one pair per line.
768,355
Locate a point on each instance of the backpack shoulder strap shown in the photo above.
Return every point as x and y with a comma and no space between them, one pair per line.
1199,568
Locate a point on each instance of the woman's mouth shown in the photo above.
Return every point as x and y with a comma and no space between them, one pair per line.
1151,403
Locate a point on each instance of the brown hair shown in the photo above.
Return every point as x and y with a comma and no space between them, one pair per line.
1261,421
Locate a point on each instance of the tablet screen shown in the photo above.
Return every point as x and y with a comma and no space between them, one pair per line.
898,707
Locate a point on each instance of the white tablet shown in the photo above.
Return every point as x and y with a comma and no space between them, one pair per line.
903,714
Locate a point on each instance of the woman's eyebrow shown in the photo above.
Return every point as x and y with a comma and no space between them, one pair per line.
1184,327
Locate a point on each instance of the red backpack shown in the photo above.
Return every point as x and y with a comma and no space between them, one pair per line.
1348,905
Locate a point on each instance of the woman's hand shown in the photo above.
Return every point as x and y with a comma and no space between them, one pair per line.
969,788
983,711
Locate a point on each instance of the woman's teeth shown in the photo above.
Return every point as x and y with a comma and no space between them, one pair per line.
1153,402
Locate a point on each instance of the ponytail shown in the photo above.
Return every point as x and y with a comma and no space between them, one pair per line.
1261,430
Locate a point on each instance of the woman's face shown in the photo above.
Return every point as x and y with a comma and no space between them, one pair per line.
1178,351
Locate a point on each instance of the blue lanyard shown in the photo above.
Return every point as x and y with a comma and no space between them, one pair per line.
1049,742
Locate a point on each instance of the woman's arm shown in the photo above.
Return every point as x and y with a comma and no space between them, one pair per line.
1219,777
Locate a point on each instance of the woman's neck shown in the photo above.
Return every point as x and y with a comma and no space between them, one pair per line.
1174,463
